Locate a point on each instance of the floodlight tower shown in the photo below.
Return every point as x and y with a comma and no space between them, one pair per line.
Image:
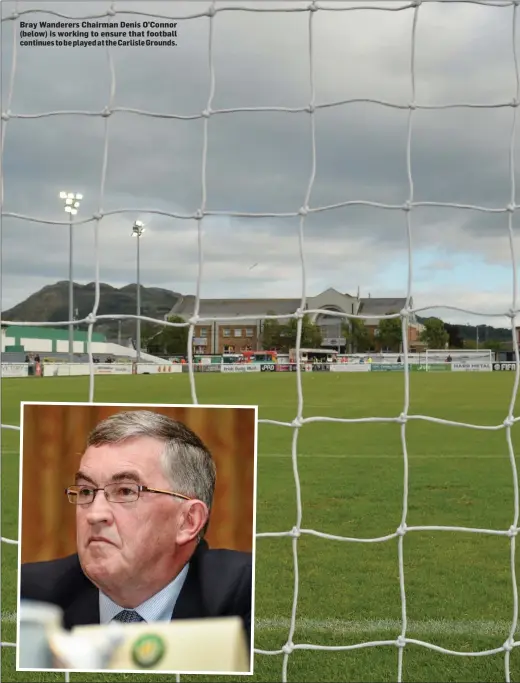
137,232
71,202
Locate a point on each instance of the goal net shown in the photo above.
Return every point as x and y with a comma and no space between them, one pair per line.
471,356
214,15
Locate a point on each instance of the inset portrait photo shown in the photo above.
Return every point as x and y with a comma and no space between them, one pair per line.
137,538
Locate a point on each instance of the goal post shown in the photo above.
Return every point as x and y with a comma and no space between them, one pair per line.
471,359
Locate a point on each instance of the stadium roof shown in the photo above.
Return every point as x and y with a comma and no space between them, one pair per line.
234,307
380,306
227,309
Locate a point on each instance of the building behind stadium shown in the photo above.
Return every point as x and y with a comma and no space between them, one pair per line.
229,335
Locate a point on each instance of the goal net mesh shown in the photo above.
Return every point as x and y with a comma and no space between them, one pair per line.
458,356
14,12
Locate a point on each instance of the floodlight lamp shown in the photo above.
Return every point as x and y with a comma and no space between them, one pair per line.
63,195
79,196
137,229
74,211
71,195
68,209
76,204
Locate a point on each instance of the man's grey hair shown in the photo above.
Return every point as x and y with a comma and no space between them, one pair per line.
186,462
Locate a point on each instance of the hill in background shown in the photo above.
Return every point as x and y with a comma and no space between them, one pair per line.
51,304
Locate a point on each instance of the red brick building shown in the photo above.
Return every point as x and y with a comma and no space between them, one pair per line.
229,334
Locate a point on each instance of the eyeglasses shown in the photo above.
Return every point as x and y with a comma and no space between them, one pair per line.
114,493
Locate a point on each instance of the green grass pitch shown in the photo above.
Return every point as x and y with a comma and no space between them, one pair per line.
458,585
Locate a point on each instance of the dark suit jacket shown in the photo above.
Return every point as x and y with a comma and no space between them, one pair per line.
218,584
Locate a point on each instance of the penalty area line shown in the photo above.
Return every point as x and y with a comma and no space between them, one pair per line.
388,456
431,627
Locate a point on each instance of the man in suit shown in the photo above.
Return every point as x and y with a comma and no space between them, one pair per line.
143,495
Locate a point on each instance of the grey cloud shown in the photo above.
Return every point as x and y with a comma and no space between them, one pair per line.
261,161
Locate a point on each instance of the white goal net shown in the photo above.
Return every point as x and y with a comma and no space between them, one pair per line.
215,14
485,356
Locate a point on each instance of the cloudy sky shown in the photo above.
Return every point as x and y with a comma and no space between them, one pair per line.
261,162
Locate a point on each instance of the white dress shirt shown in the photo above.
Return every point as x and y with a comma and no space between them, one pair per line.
157,608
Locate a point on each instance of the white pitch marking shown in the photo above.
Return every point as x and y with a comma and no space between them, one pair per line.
343,626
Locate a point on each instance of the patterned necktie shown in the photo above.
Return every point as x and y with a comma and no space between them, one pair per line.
128,616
